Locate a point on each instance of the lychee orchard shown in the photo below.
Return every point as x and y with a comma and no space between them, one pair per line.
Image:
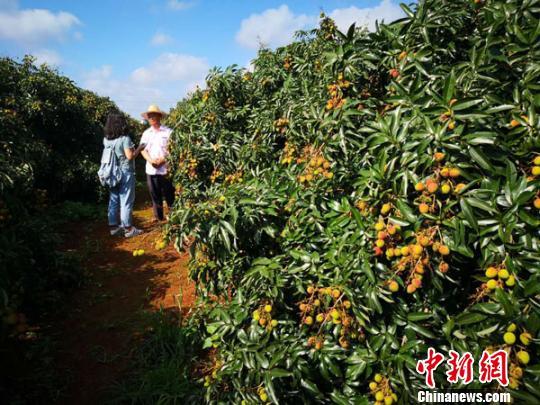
360,197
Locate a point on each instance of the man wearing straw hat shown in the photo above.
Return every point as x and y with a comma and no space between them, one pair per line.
156,139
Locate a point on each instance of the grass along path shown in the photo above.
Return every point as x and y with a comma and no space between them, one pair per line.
108,317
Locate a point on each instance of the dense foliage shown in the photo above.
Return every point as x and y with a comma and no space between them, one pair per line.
51,135
360,197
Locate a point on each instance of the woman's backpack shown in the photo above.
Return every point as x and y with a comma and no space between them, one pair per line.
109,172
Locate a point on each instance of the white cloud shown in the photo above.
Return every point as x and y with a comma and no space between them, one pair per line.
194,85
160,39
273,27
48,56
170,67
165,81
276,26
386,10
249,66
179,5
97,75
130,97
33,26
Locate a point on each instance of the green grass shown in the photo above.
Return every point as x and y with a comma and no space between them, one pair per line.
161,366
77,211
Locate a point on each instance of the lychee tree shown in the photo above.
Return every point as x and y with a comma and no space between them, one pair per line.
378,193
51,134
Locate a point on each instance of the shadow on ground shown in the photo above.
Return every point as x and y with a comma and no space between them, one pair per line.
92,339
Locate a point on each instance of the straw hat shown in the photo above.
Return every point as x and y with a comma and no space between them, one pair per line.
153,109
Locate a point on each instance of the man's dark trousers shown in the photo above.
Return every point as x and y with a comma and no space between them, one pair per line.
160,187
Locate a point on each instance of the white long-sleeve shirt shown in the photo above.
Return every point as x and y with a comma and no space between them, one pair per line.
157,142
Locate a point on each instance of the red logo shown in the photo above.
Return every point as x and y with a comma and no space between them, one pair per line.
429,365
491,367
461,368
494,367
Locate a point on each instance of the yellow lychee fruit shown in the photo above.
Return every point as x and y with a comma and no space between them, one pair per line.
525,338
459,187
445,188
423,240
509,338
523,357
393,286
516,372
503,274
411,288
491,272
438,156
513,383
444,250
510,281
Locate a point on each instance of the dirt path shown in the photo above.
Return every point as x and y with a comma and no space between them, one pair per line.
106,318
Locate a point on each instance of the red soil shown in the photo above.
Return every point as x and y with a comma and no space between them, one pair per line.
105,320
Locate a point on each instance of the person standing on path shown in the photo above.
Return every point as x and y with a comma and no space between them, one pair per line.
122,195
156,151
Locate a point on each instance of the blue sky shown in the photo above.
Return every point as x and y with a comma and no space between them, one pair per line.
140,52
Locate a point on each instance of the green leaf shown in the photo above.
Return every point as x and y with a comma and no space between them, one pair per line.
418,316
468,318
311,387
502,297
468,213
421,330
279,373
398,221
481,159
406,211
475,202
464,104
449,86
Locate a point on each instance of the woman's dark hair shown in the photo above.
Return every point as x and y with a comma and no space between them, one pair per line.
116,126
